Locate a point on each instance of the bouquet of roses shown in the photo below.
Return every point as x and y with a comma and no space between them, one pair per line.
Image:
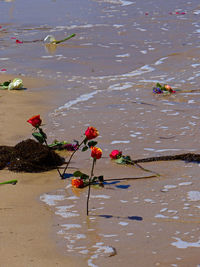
163,89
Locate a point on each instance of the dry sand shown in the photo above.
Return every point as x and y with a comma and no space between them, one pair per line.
26,225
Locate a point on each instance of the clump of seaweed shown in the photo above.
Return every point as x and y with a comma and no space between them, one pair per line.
29,156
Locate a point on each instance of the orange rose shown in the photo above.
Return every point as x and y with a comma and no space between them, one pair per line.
168,88
91,133
96,152
78,183
115,154
35,121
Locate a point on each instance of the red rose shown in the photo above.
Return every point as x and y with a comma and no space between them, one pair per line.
91,133
96,152
19,42
35,121
78,183
115,154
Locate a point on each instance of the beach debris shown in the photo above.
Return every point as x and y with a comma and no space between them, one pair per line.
119,158
16,84
18,42
50,39
111,251
29,156
63,145
13,182
90,133
163,89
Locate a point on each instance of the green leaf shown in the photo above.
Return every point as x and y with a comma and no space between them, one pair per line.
92,143
120,161
158,85
85,148
84,176
77,174
39,137
94,179
6,83
42,133
127,159
81,175
100,178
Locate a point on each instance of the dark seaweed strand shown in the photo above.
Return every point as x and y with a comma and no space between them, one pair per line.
189,157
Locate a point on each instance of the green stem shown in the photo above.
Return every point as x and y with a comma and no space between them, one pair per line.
9,182
139,166
62,175
63,40
146,170
91,175
45,141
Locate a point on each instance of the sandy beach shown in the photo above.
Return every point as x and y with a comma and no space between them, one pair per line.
103,77
26,225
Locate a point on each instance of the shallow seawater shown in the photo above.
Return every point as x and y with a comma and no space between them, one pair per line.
126,218
104,77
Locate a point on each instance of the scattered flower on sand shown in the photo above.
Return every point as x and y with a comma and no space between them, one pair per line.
119,158
163,89
19,42
115,154
78,183
16,84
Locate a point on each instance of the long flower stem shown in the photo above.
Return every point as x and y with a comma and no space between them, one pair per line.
65,39
139,166
91,175
9,182
62,175
45,141
146,170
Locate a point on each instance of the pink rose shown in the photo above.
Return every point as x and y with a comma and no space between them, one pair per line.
115,154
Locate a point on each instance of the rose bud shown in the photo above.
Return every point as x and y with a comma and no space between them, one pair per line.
78,183
96,152
115,154
35,121
91,133
168,88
